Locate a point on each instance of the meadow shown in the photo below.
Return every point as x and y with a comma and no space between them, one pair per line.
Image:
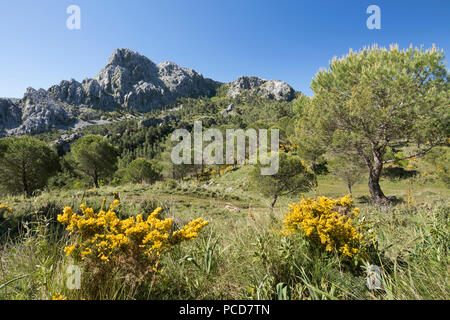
240,253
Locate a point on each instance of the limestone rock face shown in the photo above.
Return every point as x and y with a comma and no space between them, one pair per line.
244,83
268,89
278,90
185,82
10,114
229,111
153,122
40,112
137,83
71,92
89,93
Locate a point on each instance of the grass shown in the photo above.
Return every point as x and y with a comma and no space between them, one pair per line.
240,255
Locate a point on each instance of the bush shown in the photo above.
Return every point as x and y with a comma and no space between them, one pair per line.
394,173
328,224
439,158
133,248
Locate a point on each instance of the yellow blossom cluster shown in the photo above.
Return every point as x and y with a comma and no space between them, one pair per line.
5,207
287,147
59,296
207,173
326,222
106,238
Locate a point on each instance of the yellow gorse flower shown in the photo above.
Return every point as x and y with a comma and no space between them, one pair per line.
6,207
58,296
105,238
326,222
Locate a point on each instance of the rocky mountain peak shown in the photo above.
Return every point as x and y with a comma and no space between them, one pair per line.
127,58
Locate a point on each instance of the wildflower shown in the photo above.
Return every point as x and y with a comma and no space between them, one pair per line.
250,214
327,223
58,296
4,206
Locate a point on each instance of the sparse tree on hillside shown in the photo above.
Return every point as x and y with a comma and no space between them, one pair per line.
292,177
350,170
26,164
140,171
94,156
370,99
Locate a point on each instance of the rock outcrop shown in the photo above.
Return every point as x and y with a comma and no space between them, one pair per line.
88,94
10,114
40,111
153,122
63,144
229,111
268,89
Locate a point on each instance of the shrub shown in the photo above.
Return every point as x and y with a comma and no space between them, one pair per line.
327,224
394,173
132,247
439,158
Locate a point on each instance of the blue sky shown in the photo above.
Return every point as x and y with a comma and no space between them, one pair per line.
222,39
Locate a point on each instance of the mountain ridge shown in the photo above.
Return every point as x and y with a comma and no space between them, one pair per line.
129,81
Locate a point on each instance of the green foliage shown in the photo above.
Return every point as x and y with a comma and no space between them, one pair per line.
395,173
350,170
142,170
440,159
222,90
94,157
291,178
26,164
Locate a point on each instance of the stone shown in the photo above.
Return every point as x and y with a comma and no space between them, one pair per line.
63,144
268,89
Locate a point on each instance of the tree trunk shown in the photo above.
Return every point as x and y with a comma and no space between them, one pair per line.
26,189
349,187
377,194
272,205
95,179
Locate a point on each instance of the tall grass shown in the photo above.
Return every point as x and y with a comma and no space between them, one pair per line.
239,255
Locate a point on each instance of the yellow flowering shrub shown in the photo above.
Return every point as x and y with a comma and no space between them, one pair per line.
135,244
4,209
327,223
